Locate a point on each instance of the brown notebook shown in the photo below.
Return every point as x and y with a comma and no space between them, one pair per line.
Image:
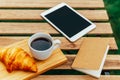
91,56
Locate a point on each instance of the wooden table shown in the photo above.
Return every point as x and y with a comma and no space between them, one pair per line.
20,18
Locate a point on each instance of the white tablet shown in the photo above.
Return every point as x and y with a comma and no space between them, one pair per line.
69,22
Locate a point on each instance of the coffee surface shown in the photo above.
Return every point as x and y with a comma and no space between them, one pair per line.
41,44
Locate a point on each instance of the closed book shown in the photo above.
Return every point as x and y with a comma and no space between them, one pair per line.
91,56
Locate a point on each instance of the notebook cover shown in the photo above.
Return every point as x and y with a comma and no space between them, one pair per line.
91,54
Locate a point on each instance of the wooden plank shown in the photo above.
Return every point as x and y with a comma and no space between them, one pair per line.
75,77
50,3
65,45
94,15
112,62
30,28
57,58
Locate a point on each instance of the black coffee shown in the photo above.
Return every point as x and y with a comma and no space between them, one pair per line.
41,43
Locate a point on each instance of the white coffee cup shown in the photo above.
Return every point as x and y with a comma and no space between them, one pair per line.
43,54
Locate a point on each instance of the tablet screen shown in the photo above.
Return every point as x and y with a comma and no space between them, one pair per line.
67,21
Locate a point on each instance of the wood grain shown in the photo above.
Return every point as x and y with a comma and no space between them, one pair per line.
65,45
30,28
112,62
94,15
57,58
50,3
76,77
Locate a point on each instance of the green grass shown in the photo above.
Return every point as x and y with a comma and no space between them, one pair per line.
113,9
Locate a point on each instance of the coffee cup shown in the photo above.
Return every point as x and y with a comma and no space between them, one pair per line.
42,45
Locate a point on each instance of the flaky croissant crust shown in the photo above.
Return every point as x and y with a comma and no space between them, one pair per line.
17,59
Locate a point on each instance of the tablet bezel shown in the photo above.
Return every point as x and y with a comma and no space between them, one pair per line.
76,36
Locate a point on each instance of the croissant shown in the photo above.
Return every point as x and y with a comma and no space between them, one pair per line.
17,59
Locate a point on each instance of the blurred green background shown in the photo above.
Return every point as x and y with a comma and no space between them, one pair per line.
113,9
